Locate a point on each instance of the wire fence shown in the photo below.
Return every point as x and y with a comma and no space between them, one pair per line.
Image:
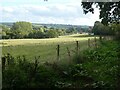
55,51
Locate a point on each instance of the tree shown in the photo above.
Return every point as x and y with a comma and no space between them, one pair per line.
71,30
51,34
109,11
21,29
98,28
36,34
115,29
60,32
5,32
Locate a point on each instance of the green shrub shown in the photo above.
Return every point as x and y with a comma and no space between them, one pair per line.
94,68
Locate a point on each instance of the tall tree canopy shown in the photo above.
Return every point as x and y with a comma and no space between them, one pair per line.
109,11
21,29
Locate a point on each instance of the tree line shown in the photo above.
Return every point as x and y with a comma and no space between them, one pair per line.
22,29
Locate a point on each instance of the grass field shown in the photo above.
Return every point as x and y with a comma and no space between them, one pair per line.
45,48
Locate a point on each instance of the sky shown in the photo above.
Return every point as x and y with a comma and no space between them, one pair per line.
49,12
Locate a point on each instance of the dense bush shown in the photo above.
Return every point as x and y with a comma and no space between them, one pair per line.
23,74
100,69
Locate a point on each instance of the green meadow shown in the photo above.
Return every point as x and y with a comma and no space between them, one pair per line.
45,48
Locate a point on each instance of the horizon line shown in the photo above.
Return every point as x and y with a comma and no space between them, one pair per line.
43,23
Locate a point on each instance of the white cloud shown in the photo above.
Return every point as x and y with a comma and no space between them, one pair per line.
7,9
69,13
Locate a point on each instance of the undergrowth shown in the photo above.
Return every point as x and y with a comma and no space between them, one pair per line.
94,68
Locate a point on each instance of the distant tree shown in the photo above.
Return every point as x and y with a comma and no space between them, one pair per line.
52,28
42,29
4,35
60,32
5,32
36,34
45,27
51,34
71,30
21,29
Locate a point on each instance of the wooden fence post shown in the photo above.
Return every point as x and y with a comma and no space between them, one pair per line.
69,55
77,47
58,52
8,58
88,42
100,37
95,42
3,63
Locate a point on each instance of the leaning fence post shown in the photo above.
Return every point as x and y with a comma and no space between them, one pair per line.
88,42
58,52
